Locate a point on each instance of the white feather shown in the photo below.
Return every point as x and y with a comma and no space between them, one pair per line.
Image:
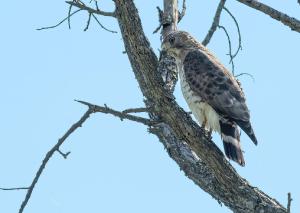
201,110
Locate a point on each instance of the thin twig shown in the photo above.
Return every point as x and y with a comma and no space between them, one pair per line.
62,21
119,114
239,32
91,109
160,19
215,23
50,154
17,188
88,22
101,25
65,155
91,10
230,48
69,15
289,203
96,4
182,13
245,73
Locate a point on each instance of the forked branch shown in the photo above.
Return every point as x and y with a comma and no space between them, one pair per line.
56,148
215,23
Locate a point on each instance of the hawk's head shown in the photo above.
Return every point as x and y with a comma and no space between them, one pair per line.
178,42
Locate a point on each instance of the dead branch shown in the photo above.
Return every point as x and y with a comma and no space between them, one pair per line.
62,21
289,203
88,22
291,22
120,114
136,110
230,47
91,10
12,189
182,13
204,163
50,154
56,148
239,33
101,25
215,23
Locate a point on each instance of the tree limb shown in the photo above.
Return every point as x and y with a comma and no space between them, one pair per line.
91,10
50,154
200,158
291,22
12,189
289,203
56,148
215,23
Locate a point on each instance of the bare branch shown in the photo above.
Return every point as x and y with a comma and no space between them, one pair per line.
64,155
88,22
204,163
230,48
91,10
50,154
215,23
12,189
291,22
91,109
62,21
160,18
101,25
182,13
135,110
69,15
245,73
289,200
120,114
239,33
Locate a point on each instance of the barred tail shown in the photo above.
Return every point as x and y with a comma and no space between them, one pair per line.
247,128
231,141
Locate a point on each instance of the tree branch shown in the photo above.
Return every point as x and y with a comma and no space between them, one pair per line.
120,114
289,203
90,10
62,21
215,23
50,154
291,22
13,189
56,148
196,155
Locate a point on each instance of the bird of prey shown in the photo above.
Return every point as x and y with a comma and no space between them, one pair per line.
211,91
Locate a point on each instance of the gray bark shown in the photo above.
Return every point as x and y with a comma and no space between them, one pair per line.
186,142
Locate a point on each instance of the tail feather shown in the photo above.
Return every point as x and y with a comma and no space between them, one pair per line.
231,141
247,128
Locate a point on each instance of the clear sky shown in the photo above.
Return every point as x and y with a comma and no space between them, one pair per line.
117,166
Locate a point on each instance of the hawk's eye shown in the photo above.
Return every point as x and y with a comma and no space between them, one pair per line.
172,40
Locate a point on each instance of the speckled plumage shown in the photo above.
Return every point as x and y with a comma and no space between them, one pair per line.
212,93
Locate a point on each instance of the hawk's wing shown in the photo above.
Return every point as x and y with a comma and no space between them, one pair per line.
216,86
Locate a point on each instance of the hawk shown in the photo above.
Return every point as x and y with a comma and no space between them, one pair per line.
211,92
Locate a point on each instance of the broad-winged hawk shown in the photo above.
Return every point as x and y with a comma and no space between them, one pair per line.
211,91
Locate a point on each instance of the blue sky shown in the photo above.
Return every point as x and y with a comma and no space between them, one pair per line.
117,166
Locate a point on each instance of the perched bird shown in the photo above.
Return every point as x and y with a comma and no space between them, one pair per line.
211,91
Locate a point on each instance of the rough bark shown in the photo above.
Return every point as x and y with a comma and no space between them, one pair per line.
185,141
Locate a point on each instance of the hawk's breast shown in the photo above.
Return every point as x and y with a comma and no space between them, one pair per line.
202,111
